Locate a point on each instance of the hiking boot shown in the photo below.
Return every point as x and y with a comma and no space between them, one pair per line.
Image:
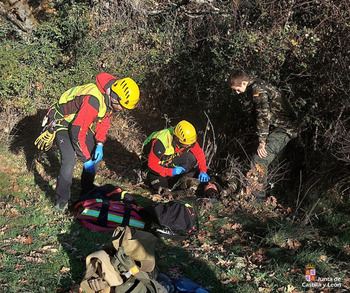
61,206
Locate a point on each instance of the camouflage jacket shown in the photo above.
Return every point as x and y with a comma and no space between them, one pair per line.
272,110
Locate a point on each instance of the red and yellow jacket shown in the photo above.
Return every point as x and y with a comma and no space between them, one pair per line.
164,147
80,107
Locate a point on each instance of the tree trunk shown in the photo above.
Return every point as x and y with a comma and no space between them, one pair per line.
19,13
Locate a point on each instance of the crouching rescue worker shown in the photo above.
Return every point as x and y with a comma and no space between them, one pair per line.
70,122
275,122
171,153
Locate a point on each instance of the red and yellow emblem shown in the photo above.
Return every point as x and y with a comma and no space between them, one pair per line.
310,273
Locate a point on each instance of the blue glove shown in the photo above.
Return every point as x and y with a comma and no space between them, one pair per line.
98,153
178,170
89,166
203,177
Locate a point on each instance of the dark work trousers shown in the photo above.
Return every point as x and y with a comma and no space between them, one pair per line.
65,175
275,143
186,160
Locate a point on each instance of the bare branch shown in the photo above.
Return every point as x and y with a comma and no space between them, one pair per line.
211,148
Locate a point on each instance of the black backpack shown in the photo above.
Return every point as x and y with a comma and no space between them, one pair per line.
174,219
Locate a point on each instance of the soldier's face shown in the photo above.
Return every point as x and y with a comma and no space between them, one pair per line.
239,89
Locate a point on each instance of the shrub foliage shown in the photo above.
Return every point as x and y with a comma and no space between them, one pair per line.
181,53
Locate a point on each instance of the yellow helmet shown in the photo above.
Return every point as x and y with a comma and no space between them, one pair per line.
185,132
126,92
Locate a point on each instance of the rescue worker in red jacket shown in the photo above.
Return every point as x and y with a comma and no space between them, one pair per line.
73,117
172,153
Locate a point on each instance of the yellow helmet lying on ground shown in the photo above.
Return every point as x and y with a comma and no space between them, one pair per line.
185,132
126,92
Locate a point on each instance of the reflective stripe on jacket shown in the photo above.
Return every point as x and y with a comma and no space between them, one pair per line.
165,136
67,100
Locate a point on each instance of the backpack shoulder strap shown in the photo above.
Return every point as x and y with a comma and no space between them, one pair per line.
92,282
100,273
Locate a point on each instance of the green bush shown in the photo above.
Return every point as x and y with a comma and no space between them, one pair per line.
181,55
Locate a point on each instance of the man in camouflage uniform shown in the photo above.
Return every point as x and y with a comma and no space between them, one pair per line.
276,124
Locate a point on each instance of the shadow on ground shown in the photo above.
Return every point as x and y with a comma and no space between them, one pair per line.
24,134
120,161
45,165
171,259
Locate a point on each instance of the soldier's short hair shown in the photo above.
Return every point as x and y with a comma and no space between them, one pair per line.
237,77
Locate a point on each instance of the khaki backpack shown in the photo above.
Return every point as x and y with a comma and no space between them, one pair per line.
118,272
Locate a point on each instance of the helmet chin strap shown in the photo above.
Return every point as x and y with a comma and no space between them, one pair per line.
108,94
112,102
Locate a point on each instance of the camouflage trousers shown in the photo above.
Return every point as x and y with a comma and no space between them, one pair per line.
275,143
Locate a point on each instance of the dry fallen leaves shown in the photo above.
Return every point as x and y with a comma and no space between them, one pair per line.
230,280
15,188
19,267
13,213
293,244
206,247
64,270
258,256
232,239
28,240
212,218
202,236
323,257
34,259
295,271
208,224
49,248
271,201
224,263
264,290
260,170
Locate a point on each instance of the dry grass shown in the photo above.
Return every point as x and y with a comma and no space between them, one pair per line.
127,131
8,120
